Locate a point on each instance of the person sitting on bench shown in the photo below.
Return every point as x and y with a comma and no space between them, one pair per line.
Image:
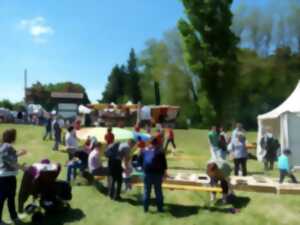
219,171
94,161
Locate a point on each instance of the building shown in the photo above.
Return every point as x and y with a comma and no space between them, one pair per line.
67,103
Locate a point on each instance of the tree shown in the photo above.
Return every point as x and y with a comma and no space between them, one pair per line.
6,104
154,60
210,49
41,94
114,91
133,80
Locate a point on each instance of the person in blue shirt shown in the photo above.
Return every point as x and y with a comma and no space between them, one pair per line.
284,167
154,164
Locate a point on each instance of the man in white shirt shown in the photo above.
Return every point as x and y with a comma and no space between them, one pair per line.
71,141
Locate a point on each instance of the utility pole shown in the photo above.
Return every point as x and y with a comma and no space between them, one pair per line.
25,86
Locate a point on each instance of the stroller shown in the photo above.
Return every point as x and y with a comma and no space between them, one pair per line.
49,194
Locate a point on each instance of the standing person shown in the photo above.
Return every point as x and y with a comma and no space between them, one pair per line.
223,141
284,167
270,145
160,137
170,139
116,154
238,129
109,136
8,171
71,142
57,134
240,154
213,139
141,144
48,129
154,164
137,128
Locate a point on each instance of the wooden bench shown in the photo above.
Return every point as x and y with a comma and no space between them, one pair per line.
99,178
185,187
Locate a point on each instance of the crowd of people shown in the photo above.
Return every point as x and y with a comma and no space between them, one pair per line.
119,156
224,148
145,155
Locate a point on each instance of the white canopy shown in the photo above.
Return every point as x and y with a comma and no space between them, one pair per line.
84,110
284,122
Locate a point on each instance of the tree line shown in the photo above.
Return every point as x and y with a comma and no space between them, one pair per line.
220,67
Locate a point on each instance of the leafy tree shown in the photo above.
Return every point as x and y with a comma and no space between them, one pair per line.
153,61
114,91
41,94
133,79
210,48
6,104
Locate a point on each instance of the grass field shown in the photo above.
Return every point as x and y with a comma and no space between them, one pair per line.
90,206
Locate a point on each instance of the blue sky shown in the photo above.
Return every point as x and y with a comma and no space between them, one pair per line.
75,40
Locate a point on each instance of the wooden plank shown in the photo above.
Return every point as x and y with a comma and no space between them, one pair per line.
293,189
253,184
185,187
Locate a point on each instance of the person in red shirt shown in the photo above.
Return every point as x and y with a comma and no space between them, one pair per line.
141,144
159,139
170,139
109,136
137,128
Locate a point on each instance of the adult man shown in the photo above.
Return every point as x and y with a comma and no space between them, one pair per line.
116,154
154,163
270,145
71,141
213,139
48,129
57,134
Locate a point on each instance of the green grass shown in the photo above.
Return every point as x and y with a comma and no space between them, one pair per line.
90,206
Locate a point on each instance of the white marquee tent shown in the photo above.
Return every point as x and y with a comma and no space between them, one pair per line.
284,122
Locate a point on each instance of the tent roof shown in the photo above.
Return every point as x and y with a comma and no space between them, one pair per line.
291,104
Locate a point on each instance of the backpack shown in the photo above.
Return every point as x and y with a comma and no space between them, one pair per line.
112,151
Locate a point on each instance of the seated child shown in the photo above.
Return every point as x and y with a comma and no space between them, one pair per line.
284,167
72,166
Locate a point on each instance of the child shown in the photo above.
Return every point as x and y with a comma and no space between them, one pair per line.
109,136
72,166
284,167
88,145
170,139
137,128
219,171
141,144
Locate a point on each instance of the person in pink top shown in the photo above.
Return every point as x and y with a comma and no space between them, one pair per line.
94,161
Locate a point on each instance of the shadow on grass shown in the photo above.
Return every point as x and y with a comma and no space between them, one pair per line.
252,156
256,173
70,216
181,211
183,168
100,187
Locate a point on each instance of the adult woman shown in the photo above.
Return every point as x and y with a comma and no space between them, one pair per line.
8,171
